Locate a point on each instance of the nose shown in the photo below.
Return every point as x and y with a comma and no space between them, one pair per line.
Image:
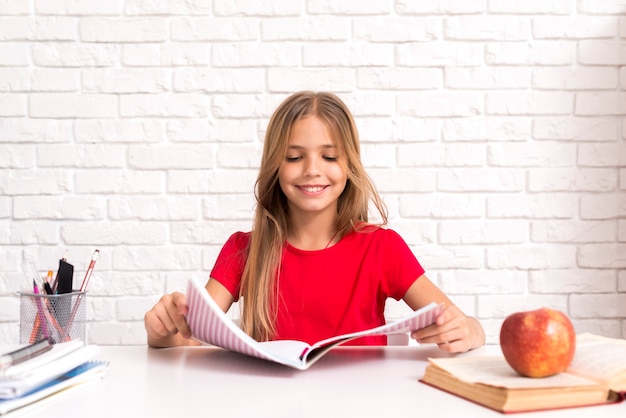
312,167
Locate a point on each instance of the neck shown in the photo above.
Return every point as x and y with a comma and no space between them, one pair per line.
314,234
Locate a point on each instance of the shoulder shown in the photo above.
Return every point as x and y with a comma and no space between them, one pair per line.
377,233
237,243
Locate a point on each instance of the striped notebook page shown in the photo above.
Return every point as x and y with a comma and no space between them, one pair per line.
209,324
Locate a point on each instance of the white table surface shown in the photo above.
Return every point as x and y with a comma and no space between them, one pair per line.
206,381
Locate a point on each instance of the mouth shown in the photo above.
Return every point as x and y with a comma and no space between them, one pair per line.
312,189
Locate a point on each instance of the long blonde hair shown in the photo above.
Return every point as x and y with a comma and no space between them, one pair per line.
271,222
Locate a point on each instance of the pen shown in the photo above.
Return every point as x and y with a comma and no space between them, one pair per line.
92,263
40,311
25,353
55,284
46,283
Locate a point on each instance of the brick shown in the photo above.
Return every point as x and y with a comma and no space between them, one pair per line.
531,7
507,53
535,103
602,256
289,80
441,206
414,233
480,128
480,232
400,29
33,233
571,180
601,52
501,306
78,7
439,104
12,105
603,206
581,78
574,27
244,105
602,155
35,182
156,105
403,180
206,232
486,28
186,156
13,28
354,54
101,181
173,54
256,55
398,78
622,179
69,105
436,155
493,78
239,156
96,156
214,29
213,181
552,53
531,257
318,28
15,157
410,129
532,206
483,282
600,103
621,284
63,208
576,128
116,233
170,7
14,54
598,306
151,208
271,8
449,256
104,29
219,81
480,180
524,154
55,29
187,130
377,156
602,7
349,7
409,7
370,104
572,281
439,54
62,54
54,80
572,231
119,130
15,7
132,80
229,206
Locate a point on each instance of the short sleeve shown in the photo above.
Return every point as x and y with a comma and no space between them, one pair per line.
401,266
231,261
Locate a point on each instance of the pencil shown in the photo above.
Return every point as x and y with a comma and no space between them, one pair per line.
92,263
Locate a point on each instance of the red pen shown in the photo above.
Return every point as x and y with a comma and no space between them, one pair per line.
92,263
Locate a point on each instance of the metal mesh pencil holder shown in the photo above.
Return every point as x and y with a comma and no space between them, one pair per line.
61,317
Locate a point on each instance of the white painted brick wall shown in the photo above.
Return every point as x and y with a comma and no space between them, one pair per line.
495,131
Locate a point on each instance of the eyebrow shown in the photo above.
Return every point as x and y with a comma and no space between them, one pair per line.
300,147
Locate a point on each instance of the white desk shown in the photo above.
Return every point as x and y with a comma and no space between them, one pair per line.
379,382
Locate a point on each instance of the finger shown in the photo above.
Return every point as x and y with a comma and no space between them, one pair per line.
158,323
179,309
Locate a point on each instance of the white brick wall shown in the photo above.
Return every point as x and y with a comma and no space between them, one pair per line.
495,130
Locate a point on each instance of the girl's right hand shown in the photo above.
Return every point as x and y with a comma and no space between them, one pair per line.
165,323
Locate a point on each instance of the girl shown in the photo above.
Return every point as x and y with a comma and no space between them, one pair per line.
313,266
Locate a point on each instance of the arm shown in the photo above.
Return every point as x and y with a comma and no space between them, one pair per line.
165,323
453,331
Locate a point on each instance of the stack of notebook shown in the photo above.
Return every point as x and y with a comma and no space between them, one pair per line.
43,369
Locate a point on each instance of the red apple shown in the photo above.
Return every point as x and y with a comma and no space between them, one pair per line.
538,343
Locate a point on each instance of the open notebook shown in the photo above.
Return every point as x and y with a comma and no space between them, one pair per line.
210,324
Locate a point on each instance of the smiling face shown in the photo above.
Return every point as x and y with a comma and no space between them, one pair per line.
312,175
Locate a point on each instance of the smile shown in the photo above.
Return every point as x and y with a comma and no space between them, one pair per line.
312,189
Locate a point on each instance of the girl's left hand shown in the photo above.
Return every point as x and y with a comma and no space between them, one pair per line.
453,332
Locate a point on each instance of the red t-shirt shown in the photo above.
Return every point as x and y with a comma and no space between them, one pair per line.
334,291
